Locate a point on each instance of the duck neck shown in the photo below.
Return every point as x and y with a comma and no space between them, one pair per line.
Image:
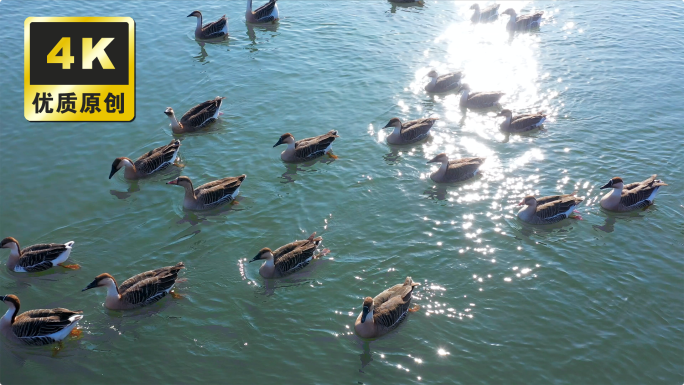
289,151
464,96
507,122
528,211
112,292
15,254
613,197
189,192
433,81
396,132
249,6
175,126
443,168
130,170
476,15
8,319
198,28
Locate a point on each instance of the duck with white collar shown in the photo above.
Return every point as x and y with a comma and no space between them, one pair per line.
267,13
520,123
39,326
487,15
197,117
632,196
289,258
386,311
549,209
523,22
457,170
409,132
209,195
140,290
216,30
38,257
307,148
148,163
440,84
478,99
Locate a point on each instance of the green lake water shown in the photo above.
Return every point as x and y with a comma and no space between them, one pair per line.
592,301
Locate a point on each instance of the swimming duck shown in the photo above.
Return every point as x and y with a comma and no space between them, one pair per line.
383,313
409,132
520,123
485,16
479,99
455,170
416,2
37,257
216,30
267,13
306,149
547,210
140,290
289,258
39,326
631,196
524,22
149,163
445,83
197,117
209,195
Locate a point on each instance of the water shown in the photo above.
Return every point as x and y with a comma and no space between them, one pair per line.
592,301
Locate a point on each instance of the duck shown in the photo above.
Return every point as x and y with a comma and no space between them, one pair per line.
307,149
445,83
386,311
410,132
485,16
149,163
217,30
547,210
416,2
455,170
520,123
209,195
289,258
630,197
478,99
267,13
36,258
39,326
524,22
197,117
139,290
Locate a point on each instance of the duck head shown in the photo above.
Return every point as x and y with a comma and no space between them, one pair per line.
614,183
196,14
432,74
285,138
264,253
505,113
529,200
367,309
510,11
475,6
394,122
10,243
181,181
440,158
103,279
118,164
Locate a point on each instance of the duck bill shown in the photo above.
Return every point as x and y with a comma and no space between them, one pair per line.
192,14
521,203
112,172
175,181
434,160
92,285
278,143
607,185
364,314
256,258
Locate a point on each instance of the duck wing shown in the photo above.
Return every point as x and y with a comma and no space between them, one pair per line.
525,122
448,82
392,305
528,21
484,99
263,13
203,113
39,257
219,190
151,286
215,28
38,323
416,129
556,209
297,258
159,158
310,148
639,194
462,169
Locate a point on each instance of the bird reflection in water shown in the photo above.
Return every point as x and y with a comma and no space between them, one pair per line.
261,27
194,218
290,174
132,188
